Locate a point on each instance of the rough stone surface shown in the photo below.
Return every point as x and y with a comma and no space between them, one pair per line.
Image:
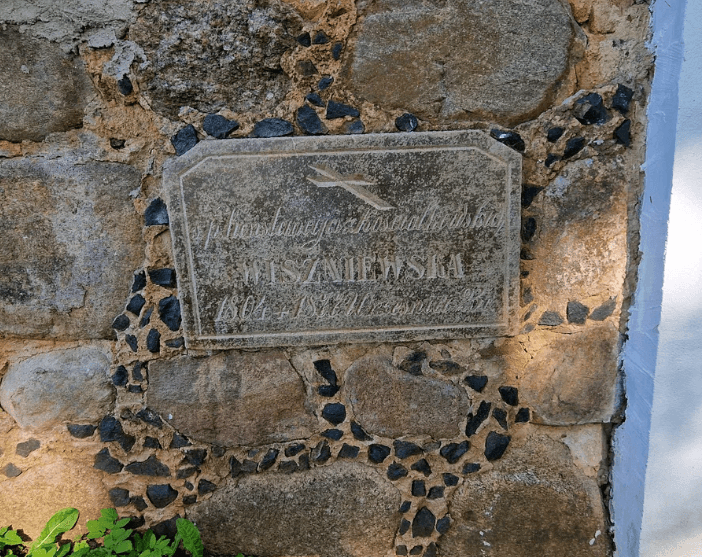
71,241
390,402
496,60
232,398
316,512
70,385
540,504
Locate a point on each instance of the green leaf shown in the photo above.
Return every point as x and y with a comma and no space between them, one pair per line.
191,537
63,550
43,551
61,522
9,537
121,523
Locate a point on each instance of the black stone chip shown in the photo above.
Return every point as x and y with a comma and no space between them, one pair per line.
117,144
404,526
554,134
431,550
422,466
334,413
450,480
480,416
322,452
354,127
452,452
156,214
293,450
401,550
573,147
396,471
134,389
447,367
204,486
470,468
407,122
320,38
416,550
622,98
306,68
577,312
550,319
151,443
136,303
600,313
412,363
179,441
184,140
327,391
309,121
161,495
510,395
217,451
195,457
525,254
528,228
189,499
268,459
348,451
442,525
423,523
107,463
120,323
218,126
378,453
315,99
325,82
81,431
551,159
163,277
153,341
139,281
304,39
169,313
359,433
418,488
175,342
405,506
287,467
27,447
166,528
501,417
120,376
340,110
119,497
336,50
333,434
436,492
303,463
590,110
139,505
152,466
496,445
529,193
111,430
622,135
324,368
136,372
125,86
405,449
512,139
272,127
522,415
235,468
476,382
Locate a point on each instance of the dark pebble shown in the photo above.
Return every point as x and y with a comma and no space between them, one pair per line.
405,506
622,135
309,122
525,254
287,467
204,486
325,82
407,122
550,319
139,281
454,451
218,451
447,367
136,372
315,99
179,441
268,459
166,528
442,525
322,452
184,140
501,417
405,449
152,466
151,443
529,193
418,488
522,415
528,228
189,499
139,505
125,86
175,342
480,416
117,144
327,390
476,382
111,430
306,68
416,550
334,413
120,323
412,363
450,480
577,312
573,147
378,453
135,389
470,468
195,457
249,466
600,313
156,214
324,368
272,127
120,376
354,127
27,447
527,296
396,471
401,550
153,341
169,313
106,463
340,110
422,466
590,110
303,463
423,523
320,38
81,431
293,450
336,50
404,526
348,451
554,134
510,395
333,434
161,495
11,471
119,497
359,433
235,468
163,277
551,159
431,550
146,319
218,126
512,139
496,445
304,39
135,304
436,492
622,98
150,417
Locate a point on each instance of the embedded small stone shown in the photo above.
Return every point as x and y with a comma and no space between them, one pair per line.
496,445
135,304
416,550
315,99
117,144
622,135
325,82
234,467
11,471
336,50
480,416
454,451
340,110
512,139
354,127
407,122
554,134
442,525
412,363
176,342
577,312
184,140
333,434
431,550
304,39
418,488
501,417
163,277
195,457
179,441
150,417
293,450
134,389
111,430
166,528
205,486
80,431
422,466
359,433
186,472
525,254
119,497
120,376
528,228
476,382
334,413
152,466
396,471
405,449
573,147
189,499
306,68
348,451
287,467
550,319
322,452
146,319
272,127
378,453
522,415
622,98
405,506
153,341
156,214
218,126
447,367
106,463
423,523
169,312
320,38
470,468
309,122
404,526
303,462
151,443
139,505
120,323
218,452
529,193
249,466
450,480
324,368
24,449
125,86
268,459
136,372
436,492
590,110
600,313
401,550
139,281
327,390
510,395
161,495
551,159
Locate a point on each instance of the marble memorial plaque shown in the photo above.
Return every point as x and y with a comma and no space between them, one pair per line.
360,238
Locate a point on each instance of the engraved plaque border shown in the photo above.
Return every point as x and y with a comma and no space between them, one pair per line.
177,168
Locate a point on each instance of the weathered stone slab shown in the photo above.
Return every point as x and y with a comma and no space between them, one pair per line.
391,402
61,386
232,399
348,238
494,60
343,510
71,241
535,501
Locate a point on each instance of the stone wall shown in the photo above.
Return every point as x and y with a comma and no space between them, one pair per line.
489,446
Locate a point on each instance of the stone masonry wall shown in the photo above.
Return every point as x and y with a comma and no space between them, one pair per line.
482,447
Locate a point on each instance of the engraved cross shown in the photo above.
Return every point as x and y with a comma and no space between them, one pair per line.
352,183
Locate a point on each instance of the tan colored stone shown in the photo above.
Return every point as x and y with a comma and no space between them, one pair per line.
390,402
534,501
232,398
342,510
573,379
